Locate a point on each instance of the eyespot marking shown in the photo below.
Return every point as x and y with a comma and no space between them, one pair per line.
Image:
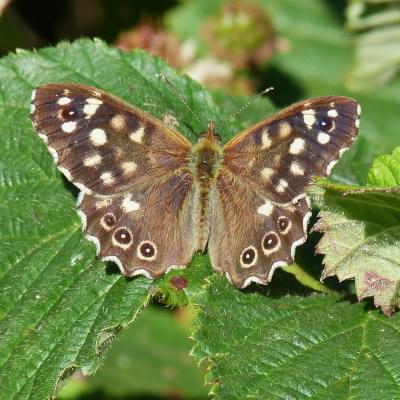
122,237
108,221
325,124
270,243
284,224
248,257
147,251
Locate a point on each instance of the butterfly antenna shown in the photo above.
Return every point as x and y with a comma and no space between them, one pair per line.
251,101
180,97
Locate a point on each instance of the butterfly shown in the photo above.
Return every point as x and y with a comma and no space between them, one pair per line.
149,198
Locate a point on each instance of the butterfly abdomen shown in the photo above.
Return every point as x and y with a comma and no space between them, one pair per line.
206,157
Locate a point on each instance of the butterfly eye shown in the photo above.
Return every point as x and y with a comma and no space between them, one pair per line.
123,237
271,243
179,282
325,124
248,257
147,251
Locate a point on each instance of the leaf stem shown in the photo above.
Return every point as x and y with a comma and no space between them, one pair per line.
306,279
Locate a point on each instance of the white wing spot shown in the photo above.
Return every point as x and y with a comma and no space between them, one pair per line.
107,178
323,138
266,173
284,129
92,160
266,141
68,127
137,136
118,122
296,169
282,185
98,137
358,109
297,146
92,100
332,113
129,205
357,123
63,101
309,118
266,209
129,167
103,203
90,109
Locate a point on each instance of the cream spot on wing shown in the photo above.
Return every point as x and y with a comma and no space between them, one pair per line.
332,113
98,137
103,203
137,136
63,101
129,167
265,139
129,205
92,100
107,178
266,209
282,185
266,173
309,118
330,166
296,169
358,109
118,122
92,161
357,123
90,109
323,138
66,92
32,108
284,129
69,126
297,146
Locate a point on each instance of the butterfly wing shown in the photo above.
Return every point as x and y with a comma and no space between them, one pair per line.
260,209
136,192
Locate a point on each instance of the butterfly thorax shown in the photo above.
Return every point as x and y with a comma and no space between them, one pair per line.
205,160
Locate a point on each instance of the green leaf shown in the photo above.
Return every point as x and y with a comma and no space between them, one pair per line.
259,347
155,351
362,232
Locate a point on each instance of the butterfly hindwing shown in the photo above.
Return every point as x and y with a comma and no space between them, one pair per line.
261,209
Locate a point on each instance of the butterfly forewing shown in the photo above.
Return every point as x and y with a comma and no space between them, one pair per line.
261,209
136,192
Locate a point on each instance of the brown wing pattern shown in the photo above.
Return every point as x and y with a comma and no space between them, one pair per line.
260,210
136,200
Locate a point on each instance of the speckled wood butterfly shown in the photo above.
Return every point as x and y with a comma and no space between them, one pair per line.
150,198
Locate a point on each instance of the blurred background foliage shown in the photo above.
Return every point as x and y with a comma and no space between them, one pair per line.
302,48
